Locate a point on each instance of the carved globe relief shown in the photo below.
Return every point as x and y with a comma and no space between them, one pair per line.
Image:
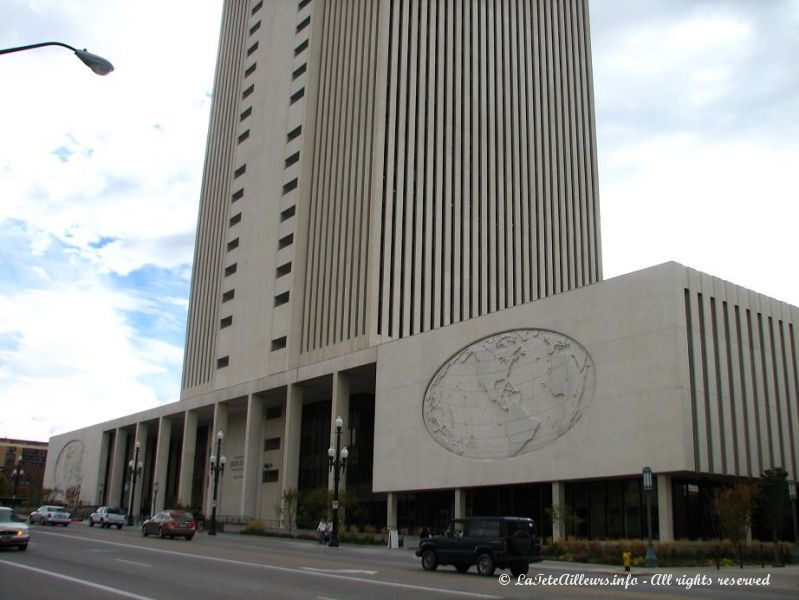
509,394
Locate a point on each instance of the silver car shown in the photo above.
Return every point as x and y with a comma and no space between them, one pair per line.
13,531
106,516
50,515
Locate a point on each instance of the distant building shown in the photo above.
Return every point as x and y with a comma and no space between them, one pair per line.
33,457
399,224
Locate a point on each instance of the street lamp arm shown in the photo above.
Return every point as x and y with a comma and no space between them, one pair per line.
97,64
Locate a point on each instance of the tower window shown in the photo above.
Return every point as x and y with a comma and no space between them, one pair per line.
279,343
291,185
231,269
235,219
301,48
288,213
285,241
233,244
221,363
281,299
228,295
283,270
294,133
299,71
226,322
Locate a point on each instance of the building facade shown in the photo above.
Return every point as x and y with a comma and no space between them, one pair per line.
399,224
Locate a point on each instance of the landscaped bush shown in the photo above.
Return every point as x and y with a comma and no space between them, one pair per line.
679,553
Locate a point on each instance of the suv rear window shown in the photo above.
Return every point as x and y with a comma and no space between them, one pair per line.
523,525
488,528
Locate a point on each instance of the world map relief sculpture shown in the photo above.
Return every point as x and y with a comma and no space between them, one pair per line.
509,394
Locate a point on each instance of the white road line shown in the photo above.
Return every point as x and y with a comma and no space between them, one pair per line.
95,586
132,562
345,571
376,582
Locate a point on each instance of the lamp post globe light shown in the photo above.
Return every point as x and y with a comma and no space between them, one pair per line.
792,498
217,469
337,461
651,559
16,475
135,467
97,64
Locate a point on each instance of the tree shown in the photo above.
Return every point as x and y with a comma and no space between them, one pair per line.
564,516
288,507
733,507
774,494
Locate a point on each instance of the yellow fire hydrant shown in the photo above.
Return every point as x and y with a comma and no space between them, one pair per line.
627,559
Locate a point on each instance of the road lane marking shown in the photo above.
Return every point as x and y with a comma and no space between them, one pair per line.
132,562
292,570
96,586
344,571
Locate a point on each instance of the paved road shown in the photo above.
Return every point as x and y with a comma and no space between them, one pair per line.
89,563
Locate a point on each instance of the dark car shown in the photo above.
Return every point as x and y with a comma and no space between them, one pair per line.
170,523
488,542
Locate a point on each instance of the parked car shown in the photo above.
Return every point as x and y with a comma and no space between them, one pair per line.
170,523
106,516
488,542
50,515
13,530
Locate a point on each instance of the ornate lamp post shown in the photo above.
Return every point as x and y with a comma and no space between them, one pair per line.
16,475
650,560
135,467
792,498
337,460
97,64
217,468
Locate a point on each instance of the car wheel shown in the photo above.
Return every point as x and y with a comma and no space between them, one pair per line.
30,520
429,560
91,523
119,526
144,531
65,524
461,568
188,538
485,565
22,547
161,533
519,569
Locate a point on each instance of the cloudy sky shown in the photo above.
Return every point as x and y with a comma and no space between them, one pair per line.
698,137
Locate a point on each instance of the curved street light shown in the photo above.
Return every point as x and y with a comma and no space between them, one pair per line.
96,63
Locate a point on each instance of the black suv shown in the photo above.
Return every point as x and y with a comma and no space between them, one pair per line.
488,542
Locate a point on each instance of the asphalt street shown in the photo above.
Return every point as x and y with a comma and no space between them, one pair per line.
91,563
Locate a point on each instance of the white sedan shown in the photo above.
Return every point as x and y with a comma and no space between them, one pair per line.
50,515
12,531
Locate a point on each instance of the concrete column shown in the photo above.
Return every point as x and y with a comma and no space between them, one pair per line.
665,509
460,503
391,511
253,457
340,407
161,464
559,501
220,424
142,430
292,421
117,470
187,457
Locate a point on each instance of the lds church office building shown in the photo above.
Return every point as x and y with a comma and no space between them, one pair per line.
399,224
